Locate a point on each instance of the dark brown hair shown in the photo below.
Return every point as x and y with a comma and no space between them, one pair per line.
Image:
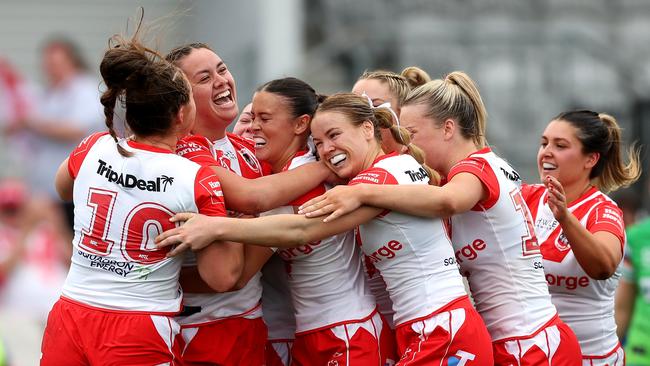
151,89
179,53
600,133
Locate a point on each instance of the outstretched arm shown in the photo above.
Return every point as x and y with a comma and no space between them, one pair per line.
281,230
460,194
262,194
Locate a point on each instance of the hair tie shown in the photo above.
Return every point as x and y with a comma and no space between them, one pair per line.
385,105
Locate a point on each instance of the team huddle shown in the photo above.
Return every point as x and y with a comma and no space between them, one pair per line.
337,230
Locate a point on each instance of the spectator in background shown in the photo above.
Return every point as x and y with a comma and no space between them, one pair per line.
15,103
67,110
33,263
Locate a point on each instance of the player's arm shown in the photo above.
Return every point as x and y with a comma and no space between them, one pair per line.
265,193
221,262
254,259
460,194
625,296
281,230
598,252
63,182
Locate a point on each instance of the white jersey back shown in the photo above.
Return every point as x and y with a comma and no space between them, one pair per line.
585,304
325,277
121,205
238,157
413,254
497,251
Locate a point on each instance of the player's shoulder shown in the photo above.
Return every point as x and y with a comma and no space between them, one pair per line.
194,140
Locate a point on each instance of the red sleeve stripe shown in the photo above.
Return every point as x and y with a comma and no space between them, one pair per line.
483,171
79,153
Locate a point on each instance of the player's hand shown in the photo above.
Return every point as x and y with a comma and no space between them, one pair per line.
556,198
336,202
193,234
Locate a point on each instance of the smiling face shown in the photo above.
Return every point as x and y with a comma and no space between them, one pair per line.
214,91
560,154
273,128
346,149
244,122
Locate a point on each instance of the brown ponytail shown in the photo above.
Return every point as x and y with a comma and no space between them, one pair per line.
151,89
600,133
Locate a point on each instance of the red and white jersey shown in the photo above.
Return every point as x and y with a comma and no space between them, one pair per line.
325,276
377,287
585,304
232,152
121,205
413,254
496,248
236,154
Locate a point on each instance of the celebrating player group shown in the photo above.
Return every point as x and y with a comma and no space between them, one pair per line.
338,230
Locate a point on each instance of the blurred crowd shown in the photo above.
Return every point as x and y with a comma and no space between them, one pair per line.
38,129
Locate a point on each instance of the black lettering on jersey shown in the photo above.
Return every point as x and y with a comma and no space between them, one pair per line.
107,264
419,175
512,175
131,181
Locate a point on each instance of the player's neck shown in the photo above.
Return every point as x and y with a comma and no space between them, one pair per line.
166,143
575,190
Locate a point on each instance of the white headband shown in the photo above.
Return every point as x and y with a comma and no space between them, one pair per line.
385,105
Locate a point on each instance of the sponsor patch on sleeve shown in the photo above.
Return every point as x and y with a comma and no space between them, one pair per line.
374,176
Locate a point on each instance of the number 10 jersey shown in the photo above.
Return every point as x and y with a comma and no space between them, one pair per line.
121,205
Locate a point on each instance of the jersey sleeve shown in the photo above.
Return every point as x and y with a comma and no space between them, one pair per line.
197,149
481,170
208,195
374,175
79,153
607,217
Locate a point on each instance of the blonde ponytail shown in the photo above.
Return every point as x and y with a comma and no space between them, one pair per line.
454,97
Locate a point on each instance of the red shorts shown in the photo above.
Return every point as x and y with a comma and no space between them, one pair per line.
453,335
615,357
234,341
78,334
554,344
352,343
278,352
